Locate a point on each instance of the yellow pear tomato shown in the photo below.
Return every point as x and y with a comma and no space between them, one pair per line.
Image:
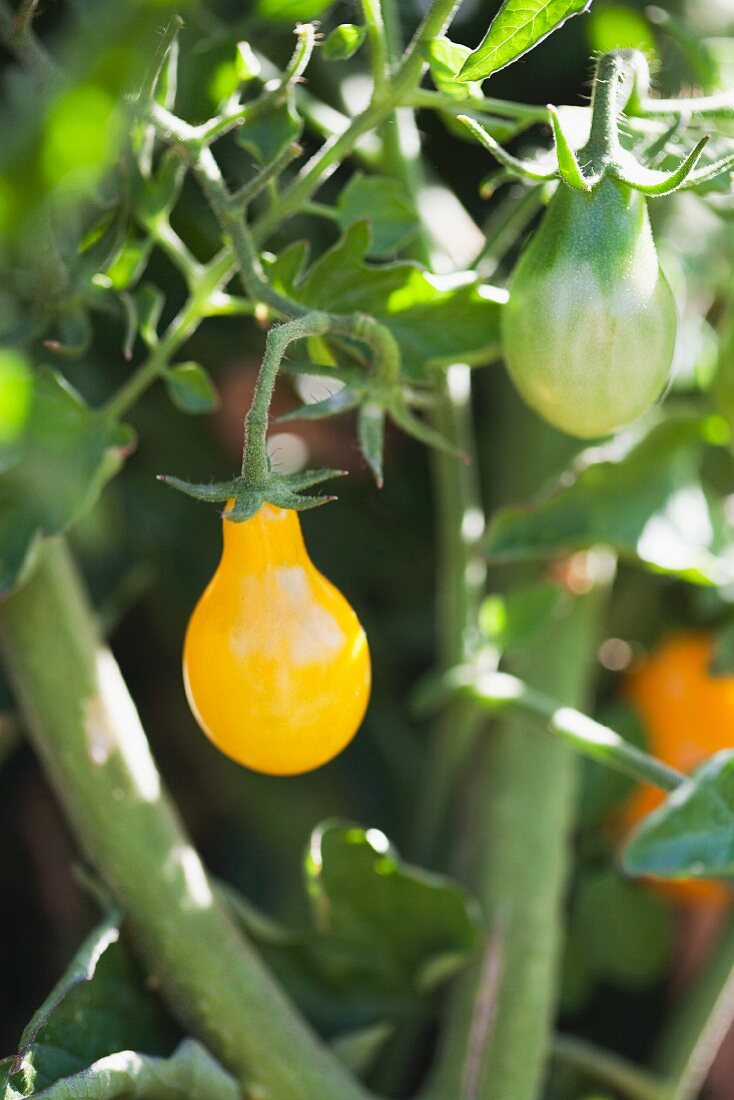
276,663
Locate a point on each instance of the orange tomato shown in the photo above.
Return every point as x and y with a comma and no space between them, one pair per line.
276,663
687,714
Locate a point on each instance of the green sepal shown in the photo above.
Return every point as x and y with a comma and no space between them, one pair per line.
568,164
524,168
650,182
282,490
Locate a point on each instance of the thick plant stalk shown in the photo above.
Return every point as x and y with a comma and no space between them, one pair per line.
500,1023
87,733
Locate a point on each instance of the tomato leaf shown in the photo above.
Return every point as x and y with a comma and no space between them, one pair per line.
692,834
53,475
513,620
646,500
625,931
385,933
191,389
266,136
190,1070
517,27
445,59
436,320
384,203
99,1007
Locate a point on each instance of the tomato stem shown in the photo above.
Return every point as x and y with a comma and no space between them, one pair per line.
85,728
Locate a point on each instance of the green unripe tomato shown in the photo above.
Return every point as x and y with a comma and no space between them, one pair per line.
589,329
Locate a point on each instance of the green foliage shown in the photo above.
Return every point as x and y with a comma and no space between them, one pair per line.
292,11
435,321
511,622
99,1008
54,472
619,26
385,934
384,203
692,834
445,59
625,931
644,498
191,389
517,27
16,390
267,135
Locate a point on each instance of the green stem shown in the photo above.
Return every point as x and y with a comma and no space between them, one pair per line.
84,726
587,736
264,178
459,584
212,278
603,144
500,1021
459,517
607,1069
211,131
230,217
436,21
356,326
699,1024
440,101
17,34
377,38
719,105
255,463
323,163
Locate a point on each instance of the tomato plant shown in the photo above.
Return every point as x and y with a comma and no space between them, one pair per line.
375,247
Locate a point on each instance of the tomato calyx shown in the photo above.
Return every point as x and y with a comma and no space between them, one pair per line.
248,497
619,78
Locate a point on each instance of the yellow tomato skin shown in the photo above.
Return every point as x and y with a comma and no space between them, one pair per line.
687,714
276,664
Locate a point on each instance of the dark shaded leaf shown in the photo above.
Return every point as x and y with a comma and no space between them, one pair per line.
383,202
267,135
626,931
55,472
99,1007
191,389
386,932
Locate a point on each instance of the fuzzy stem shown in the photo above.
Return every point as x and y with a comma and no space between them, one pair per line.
84,726
499,1026
606,103
607,1069
591,738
